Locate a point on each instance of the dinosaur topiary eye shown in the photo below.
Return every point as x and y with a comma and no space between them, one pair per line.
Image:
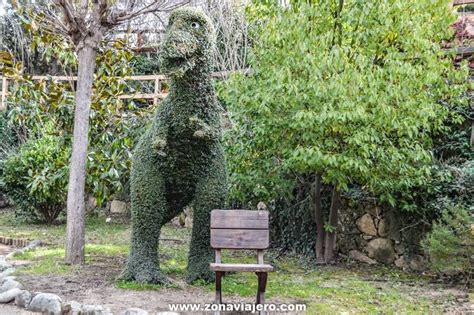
195,25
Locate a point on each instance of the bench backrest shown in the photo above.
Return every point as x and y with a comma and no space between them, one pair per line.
239,229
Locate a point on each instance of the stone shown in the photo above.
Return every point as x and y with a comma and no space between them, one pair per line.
399,248
76,308
23,299
3,201
261,206
91,203
5,279
366,225
381,249
8,296
188,220
416,262
4,265
118,207
10,284
367,237
383,228
357,255
92,309
135,311
6,273
374,211
46,303
400,262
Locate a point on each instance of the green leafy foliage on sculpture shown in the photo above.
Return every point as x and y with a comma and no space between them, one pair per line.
340,93
179,160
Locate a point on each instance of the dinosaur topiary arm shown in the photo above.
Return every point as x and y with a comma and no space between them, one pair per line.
204,131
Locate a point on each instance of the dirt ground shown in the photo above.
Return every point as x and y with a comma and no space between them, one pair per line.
93,284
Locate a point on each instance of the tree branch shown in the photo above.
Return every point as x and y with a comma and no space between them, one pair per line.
156,6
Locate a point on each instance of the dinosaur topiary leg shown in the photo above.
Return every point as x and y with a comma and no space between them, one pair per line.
210,194
148,208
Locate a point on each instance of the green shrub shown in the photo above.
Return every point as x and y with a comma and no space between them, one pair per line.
450,244
6,137
35,178
115,126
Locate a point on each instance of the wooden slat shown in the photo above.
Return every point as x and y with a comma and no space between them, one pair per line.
142,96
461,2
239,219
239,239
241,267
4,94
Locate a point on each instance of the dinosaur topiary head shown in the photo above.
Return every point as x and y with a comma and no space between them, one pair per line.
188,44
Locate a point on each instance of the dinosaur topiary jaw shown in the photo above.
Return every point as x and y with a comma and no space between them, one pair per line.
188,44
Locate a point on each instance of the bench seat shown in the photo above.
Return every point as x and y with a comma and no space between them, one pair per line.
241,267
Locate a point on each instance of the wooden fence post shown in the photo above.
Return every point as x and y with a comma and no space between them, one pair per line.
3,105
157,91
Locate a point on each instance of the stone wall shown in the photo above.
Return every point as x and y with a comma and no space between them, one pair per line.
373,234
3,201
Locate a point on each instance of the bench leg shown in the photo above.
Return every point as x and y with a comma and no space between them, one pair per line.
262,284
218,287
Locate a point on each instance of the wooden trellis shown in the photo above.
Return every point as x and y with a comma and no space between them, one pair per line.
155,96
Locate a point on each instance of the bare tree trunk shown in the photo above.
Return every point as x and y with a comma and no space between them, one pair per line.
315,199
77,173
331,235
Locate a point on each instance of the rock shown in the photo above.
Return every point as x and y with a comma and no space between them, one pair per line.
8,296
72,308
383,228
10,284
356,255
417,262
3,201
76,308
46,303
6,273
188,221
135,311
4,265
381,249
261,206
95,310
399,248
367,237
91,203
23,298
118,207
366,225
5,279
375,211
179,220
400,262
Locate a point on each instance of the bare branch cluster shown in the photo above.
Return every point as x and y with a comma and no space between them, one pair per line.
85,22
232,33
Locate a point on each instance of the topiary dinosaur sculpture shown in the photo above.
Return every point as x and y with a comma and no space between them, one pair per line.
179,160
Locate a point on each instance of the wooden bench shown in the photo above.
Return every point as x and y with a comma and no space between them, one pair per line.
240,229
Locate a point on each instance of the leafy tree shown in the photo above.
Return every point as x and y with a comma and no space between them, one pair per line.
450,244
35,178
346,92
34,105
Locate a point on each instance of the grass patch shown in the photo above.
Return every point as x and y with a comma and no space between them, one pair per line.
45,261
325,290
